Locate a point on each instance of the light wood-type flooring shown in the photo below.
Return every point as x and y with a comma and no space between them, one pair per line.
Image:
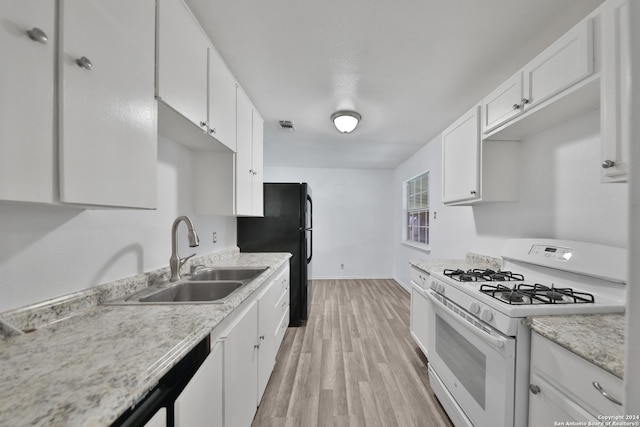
353,364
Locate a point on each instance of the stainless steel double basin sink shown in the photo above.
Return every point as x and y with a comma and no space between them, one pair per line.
211,285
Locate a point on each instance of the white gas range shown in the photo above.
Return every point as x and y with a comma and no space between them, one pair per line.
478,340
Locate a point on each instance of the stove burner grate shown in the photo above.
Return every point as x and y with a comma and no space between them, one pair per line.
536,294
482,275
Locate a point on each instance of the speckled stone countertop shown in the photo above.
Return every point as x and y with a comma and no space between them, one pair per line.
472,260
88,368
598,338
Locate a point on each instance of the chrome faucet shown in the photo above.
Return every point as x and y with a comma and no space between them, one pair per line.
175,262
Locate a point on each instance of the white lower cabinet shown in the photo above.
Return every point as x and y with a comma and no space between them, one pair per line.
272,304
420,307
201,402
565,387
159,419
241,369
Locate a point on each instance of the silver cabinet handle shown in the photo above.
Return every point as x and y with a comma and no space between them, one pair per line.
37,35
598,387
534,388
516,106
608,164
84,62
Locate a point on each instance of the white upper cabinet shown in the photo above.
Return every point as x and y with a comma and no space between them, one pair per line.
552,88
104,151
461,159
502,104
27,101
222,101
182,62
249,175
616,91
474,170
195,86
564,63
108,114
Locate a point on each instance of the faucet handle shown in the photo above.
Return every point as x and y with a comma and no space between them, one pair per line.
185,259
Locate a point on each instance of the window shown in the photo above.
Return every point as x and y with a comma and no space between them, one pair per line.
417,209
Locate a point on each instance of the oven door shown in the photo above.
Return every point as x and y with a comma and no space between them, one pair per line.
475,364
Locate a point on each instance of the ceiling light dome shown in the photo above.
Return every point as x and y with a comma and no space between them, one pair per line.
345,121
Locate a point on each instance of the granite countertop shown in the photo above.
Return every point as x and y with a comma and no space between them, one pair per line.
472,260
89,368
598,338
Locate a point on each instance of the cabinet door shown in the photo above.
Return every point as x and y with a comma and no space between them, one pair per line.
616,91
182,61
268,322
564,63
27,82
108,114
257,192
200,403
502,104
222,101
241,370
461,159
548,405
420,308
244,154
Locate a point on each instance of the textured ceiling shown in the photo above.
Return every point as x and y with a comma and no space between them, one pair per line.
409,67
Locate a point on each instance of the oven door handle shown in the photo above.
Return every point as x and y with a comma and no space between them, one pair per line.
498,343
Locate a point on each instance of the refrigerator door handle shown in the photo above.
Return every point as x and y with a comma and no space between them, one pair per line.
310,228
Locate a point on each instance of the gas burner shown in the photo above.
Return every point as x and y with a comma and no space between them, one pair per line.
523,294
512,296
482,275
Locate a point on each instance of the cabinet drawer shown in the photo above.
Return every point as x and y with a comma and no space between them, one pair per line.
575,377
420,278
282,304
282,328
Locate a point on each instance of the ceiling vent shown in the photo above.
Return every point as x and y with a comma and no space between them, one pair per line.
287,126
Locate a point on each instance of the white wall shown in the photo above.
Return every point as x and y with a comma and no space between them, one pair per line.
561,197
48,251
352,219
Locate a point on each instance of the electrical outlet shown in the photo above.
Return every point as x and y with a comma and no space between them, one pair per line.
341,266
215,237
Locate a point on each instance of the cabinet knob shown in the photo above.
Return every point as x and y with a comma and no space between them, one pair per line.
608,164
261,337
212,130
524,102
204,124
516,106
257,346
84,62
534,388
473,192
37,35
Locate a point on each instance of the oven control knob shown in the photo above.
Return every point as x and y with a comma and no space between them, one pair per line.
434,285
440,288
486,315
474,308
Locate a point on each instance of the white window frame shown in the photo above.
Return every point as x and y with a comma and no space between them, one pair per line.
405,211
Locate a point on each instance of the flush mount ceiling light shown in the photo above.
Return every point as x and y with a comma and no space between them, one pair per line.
345,121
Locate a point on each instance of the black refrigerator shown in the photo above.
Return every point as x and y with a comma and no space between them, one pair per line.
287,226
